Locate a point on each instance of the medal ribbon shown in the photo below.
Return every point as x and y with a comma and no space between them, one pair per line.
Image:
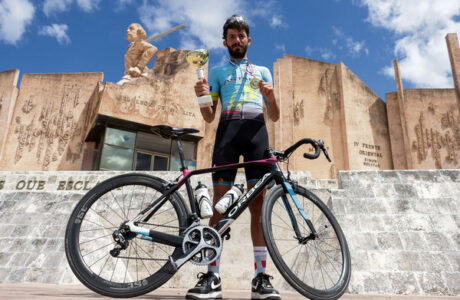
245,71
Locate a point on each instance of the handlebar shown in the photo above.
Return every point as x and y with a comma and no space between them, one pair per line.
317,144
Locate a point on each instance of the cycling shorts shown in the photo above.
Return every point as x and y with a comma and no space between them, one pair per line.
239,137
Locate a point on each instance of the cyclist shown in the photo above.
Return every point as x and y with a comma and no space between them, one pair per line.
241,131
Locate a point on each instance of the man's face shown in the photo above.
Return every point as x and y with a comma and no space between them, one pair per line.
237,43
131,33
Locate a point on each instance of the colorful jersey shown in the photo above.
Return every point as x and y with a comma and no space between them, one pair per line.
230,83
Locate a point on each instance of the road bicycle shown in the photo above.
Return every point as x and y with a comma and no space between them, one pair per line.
129,234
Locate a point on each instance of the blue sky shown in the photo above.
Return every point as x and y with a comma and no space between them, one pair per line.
55,36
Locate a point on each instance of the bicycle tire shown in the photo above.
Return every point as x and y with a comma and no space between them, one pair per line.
331,246
99,213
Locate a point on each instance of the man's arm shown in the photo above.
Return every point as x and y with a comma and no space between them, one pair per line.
267,91
208,113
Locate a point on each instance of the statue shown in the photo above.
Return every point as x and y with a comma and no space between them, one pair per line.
138,55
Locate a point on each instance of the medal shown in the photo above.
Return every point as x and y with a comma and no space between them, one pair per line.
254,83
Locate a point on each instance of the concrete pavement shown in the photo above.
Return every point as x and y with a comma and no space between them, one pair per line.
21,291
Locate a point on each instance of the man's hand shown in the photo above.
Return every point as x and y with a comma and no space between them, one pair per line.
201,87
266,89
134,72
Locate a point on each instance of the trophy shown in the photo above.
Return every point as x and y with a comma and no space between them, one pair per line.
199,58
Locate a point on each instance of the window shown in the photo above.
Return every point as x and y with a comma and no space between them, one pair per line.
126,150
118,150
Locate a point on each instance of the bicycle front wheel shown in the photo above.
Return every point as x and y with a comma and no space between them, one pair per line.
318,268
143,266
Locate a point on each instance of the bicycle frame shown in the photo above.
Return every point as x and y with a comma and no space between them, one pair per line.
233,211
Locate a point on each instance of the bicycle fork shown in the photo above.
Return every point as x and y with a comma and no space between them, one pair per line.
303,240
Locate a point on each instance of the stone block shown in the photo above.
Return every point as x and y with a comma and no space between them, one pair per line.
432,283
18,245
404,283
360,260
399,205
53,259
356,285
377,283
436,262
4,274
405,191
444,223
5,258
438,241
19,259
450,175
6,230
362,241
447,206
394,261
337,206
433,190
17,275
349,223
413,241
387,176
425,206
389,241
371,223
384,190
356,206
452,281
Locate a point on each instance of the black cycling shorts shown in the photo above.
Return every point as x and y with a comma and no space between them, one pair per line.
239,137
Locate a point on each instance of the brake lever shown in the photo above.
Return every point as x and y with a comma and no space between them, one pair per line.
321,146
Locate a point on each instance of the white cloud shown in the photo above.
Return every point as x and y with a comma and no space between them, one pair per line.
276,21
281,47
88,5
420,27
56,6
204,21
58,31
354,47
326,54
15,16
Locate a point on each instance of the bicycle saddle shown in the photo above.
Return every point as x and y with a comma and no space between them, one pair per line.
168,131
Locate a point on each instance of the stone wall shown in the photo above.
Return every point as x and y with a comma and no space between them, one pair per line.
327,101
433,129
402,228
47,127
8,95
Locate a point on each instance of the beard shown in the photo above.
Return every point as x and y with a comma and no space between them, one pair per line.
239,52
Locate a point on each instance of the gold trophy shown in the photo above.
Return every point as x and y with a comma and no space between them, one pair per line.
199,58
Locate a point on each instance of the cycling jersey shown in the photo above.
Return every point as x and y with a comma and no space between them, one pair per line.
230,83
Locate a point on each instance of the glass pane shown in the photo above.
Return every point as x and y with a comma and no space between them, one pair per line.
189,153
120,137
143,161
114,158
160,163
153,143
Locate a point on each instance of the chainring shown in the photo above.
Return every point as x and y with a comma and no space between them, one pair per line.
208,241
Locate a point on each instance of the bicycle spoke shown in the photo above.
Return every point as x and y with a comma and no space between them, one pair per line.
115,198
111,243
95,239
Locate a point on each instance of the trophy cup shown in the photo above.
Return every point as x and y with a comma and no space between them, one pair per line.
199,58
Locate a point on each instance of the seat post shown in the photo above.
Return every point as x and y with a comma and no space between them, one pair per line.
181,152
188,185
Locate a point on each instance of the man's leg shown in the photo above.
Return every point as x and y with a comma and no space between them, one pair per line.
261,286
209,284
219,191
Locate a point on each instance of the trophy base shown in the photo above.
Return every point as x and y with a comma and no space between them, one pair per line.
205,101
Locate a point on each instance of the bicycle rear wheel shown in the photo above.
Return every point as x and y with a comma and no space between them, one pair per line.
317,268
144,265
